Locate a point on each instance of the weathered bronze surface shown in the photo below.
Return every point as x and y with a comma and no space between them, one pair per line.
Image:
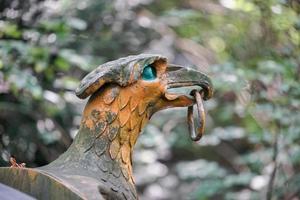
98,164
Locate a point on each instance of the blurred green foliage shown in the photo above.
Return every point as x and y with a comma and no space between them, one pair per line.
250,48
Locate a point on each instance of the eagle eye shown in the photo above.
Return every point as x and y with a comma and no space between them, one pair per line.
149,73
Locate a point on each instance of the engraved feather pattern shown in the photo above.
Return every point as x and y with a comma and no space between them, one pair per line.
116,122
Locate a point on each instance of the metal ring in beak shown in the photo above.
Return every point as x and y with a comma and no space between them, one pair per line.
201,114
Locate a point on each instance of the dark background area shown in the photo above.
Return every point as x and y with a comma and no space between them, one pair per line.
250,49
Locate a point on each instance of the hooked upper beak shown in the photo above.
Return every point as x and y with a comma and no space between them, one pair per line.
179,76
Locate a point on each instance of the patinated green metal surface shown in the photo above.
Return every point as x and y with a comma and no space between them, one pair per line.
98,164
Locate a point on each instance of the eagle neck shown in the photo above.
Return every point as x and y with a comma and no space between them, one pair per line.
112,121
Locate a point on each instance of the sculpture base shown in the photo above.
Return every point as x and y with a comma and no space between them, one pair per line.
38,184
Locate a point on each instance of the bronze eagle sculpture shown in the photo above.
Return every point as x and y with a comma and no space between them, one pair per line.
124,94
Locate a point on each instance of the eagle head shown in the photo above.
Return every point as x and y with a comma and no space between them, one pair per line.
151,79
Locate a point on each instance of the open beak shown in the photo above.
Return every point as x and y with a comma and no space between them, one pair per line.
190,79
198,86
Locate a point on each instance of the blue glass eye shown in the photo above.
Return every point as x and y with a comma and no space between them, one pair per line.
149,73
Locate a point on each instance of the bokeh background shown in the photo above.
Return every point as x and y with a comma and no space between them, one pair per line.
250,48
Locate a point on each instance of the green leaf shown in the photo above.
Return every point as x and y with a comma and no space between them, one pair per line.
208,188
62,64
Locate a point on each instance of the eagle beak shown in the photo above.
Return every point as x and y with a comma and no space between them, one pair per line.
188,78
198,87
